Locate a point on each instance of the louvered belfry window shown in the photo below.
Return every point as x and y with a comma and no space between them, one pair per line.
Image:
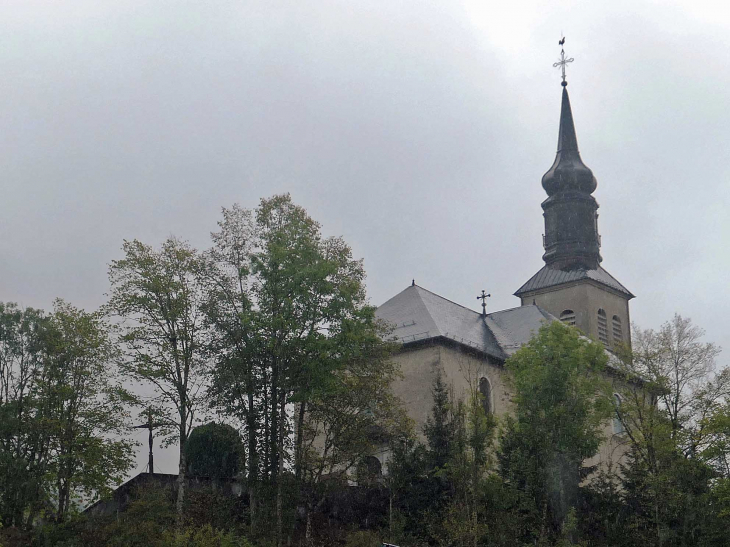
568,317
618,334
602,327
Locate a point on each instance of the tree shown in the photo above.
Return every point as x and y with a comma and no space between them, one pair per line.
439,427
291,328
672,413
84,406
159,295
677,361
65,411
561,406
356,415
24,445
238,385
215,451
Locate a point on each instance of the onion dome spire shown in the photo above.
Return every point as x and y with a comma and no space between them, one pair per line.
571,228
568,171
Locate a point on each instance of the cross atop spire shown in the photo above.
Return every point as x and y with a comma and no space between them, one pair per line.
563,61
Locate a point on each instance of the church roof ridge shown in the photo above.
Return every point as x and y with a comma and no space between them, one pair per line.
419,314
447,299
505,310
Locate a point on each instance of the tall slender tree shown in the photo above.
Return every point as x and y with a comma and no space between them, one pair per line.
24,445
85,406
238,384
159,295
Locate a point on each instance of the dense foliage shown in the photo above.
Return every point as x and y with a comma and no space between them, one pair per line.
215,451
62,413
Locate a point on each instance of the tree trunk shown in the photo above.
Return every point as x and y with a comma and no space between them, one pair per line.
274,423
181,475
62,497
300,437
390,514
253,457
266,433
280,470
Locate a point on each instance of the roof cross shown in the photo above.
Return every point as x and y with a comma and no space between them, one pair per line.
563,61
483,297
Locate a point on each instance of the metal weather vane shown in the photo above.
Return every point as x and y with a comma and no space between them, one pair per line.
563,61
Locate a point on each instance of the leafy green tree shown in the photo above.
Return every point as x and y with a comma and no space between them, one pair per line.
24,443
85,407
291,330
214,450
673,420
65,411
345,426
468,470
561,406
159,295
238,384
441,490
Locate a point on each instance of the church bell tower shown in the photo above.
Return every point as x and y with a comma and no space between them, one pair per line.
572,285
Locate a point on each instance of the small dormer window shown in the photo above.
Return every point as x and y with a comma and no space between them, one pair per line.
618,334
602,327
568,317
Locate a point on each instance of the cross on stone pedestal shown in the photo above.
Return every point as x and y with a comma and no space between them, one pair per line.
483,297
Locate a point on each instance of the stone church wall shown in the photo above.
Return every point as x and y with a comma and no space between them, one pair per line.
461,370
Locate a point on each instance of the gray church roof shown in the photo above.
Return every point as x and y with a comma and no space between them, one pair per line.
549,277
418,314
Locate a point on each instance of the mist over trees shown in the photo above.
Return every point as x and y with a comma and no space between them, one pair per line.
268,339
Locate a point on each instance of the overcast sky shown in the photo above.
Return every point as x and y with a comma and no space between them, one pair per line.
418,130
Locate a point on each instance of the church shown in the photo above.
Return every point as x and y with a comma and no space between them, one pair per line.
470,348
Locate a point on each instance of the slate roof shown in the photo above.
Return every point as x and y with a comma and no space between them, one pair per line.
418,314
549,277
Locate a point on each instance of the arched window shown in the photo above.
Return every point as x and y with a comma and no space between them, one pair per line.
568,317
485,388
603,327
618,334
369,470
618,426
